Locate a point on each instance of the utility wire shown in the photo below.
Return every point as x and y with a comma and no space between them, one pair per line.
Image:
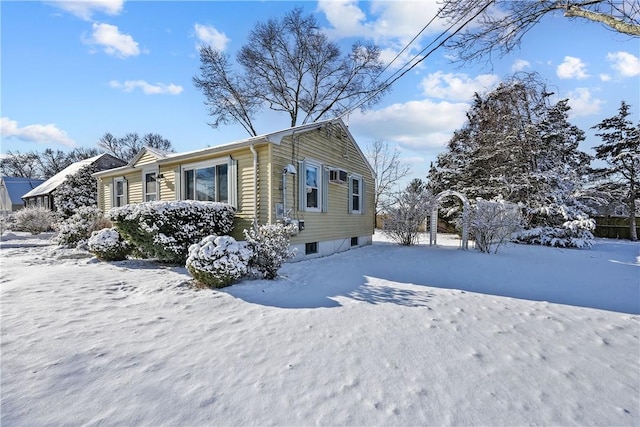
388,82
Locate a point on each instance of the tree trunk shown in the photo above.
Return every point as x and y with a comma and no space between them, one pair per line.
614,23
633,234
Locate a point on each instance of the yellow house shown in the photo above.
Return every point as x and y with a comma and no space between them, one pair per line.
313,175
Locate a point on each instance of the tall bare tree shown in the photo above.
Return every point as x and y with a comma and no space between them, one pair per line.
503,23
289,66
128,146
21,165
389,170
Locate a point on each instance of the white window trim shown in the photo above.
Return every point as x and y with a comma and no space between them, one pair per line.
319,179
360,195
231,179
124,192
145,172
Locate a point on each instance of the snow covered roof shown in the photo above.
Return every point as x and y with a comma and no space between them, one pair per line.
16,187
55,181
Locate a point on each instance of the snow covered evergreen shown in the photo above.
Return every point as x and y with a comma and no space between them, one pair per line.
518,146
77,190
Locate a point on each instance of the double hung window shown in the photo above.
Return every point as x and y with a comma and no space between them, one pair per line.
355,194
150,184
119,192
312,181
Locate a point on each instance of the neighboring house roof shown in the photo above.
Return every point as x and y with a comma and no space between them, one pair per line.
158,154
16,187
55,181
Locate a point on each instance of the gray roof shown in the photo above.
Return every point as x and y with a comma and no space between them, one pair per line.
17,187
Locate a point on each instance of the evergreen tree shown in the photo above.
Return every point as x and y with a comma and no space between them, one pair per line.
621,151
517,146
77,190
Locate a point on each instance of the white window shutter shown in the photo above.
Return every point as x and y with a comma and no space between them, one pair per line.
125,190
112,190
325,189
302,185
177,182
362,205
232,177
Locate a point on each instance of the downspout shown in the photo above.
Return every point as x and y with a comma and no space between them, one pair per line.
255,184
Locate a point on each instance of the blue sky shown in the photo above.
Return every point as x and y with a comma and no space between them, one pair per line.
72,71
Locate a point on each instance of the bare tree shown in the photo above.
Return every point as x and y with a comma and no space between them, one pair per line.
502,24
389,170
22,165
127,147
409,210
52,162
290,66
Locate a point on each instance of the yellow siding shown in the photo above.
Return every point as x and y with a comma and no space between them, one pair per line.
146,159
332,150
167,183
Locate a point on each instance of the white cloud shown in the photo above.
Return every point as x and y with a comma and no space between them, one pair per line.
85,9
41,134
626,64
210,36
605,77
147,88
572,68
416,125
390,24
582,103
457,86
113,41
520,65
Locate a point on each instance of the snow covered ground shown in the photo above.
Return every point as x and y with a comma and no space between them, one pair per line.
381,335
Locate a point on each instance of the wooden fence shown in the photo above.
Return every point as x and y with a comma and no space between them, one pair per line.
614,227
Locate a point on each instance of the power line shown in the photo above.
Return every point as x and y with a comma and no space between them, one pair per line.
388,82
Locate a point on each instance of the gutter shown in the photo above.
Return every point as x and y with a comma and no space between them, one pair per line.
255,184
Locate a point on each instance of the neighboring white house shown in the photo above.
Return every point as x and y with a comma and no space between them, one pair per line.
11,191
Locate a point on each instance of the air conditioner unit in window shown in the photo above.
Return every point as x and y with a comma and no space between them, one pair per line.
338,176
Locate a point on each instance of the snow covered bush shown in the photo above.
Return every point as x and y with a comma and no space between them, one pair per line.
573,234
165,229
108,245
76,191
218,261
408,212
75,230
6,223
493,222
35,220
269,246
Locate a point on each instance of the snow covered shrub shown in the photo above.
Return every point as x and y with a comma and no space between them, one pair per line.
35,220
218,261
6,223
572,234
409,211
76,191
493,222
108,245
269,246
165,229
74,231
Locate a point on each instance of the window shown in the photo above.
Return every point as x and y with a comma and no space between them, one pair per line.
312,185
354,241
150,186
355,194
119,192
311,248
206,183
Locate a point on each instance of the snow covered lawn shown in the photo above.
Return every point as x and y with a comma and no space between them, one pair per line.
382,335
